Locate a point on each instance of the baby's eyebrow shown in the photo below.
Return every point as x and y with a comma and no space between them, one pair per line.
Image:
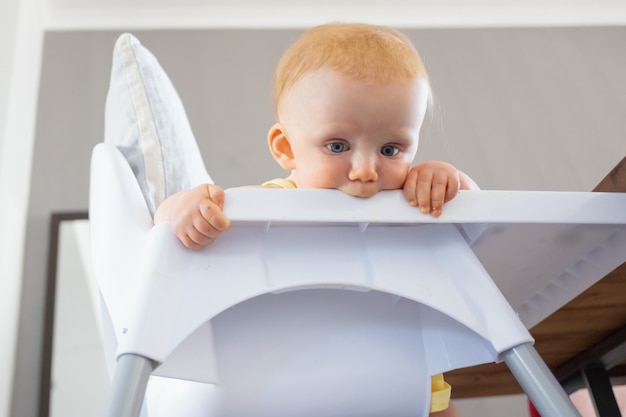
400,140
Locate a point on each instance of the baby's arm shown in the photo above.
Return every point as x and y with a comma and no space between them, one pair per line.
431,184
196,215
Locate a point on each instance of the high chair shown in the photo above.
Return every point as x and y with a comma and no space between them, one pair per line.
316,303
316,291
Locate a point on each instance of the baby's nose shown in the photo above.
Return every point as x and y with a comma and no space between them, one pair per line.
363,169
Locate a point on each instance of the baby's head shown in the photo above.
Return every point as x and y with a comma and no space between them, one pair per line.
359,51
349,101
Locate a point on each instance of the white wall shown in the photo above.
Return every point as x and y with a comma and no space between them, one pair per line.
21,35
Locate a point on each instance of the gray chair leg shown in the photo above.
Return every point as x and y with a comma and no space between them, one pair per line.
129,386
538,382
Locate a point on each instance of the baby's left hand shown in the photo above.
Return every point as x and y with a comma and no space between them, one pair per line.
431,184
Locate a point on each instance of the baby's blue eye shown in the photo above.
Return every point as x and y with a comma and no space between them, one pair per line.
337,147
389,150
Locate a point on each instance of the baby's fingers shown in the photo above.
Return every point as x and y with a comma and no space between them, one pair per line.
417,189
216,195
194,239
206,227
215,222
438,192
410,188
424,191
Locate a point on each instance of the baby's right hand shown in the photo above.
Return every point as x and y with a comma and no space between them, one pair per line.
196,215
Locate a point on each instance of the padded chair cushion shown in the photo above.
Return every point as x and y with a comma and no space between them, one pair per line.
146,120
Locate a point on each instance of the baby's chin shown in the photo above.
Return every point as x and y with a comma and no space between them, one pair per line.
361,192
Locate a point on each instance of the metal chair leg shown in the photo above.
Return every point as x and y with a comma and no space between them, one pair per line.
129,386
538,382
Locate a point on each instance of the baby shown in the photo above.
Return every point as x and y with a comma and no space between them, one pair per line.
349,101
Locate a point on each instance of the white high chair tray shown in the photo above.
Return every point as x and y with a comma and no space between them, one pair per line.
541,248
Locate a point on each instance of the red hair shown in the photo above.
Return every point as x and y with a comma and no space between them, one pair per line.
360,51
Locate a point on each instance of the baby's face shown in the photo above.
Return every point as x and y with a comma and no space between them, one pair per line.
356,136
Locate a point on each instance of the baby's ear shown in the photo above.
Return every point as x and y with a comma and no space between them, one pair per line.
280,147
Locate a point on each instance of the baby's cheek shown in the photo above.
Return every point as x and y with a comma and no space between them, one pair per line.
320,179
398,179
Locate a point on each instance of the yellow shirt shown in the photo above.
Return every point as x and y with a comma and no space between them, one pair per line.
279,183
439,389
